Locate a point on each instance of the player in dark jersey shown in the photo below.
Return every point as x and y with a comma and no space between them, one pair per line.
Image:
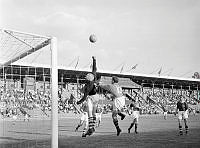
90,91
182,109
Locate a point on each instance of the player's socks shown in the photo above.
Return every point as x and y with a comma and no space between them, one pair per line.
129,129
94,120
122,115
84,132
115,121
180,130
91,122
77,128
91,129
118,131
83,135
136,129
186,129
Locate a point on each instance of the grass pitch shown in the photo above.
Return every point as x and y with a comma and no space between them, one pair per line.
153,130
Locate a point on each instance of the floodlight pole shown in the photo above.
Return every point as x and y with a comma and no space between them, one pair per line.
54,90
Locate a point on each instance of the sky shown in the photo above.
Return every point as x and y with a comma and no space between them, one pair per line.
150,33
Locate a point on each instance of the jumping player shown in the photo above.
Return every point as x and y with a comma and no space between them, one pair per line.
90,96
134,111
182,109
83,119
118,103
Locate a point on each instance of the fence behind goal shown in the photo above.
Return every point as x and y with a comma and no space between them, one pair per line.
28,84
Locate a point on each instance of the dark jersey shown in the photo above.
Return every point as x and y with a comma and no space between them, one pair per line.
90,87
92,90
182,106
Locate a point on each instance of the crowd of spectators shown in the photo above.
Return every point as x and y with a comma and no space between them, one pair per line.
159,99
12,101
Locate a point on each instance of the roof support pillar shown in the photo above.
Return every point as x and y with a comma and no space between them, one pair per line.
197,92
142,88
181,89
153,88
163,88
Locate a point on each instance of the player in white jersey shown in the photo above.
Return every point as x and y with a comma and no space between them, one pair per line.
118,103
164,112
134,111
83,119
99,111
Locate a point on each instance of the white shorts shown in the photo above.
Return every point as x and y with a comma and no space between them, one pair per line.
84,116
119,103
165,113
135,115
93,98
15,117
92,101
182,115
26,116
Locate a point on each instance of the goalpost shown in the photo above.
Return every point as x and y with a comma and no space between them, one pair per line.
54,72
16,46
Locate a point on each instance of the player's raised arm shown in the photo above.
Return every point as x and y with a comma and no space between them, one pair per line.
94,67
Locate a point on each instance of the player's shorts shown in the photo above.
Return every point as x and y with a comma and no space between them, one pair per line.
119,103
26,116
135,115
94,98
15,117
92,101
165,113
182,115
84,116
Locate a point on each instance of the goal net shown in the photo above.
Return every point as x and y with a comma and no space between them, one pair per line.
28,89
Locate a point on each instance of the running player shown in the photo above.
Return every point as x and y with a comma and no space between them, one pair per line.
83,119
134,111
26,115
118,103
182,109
